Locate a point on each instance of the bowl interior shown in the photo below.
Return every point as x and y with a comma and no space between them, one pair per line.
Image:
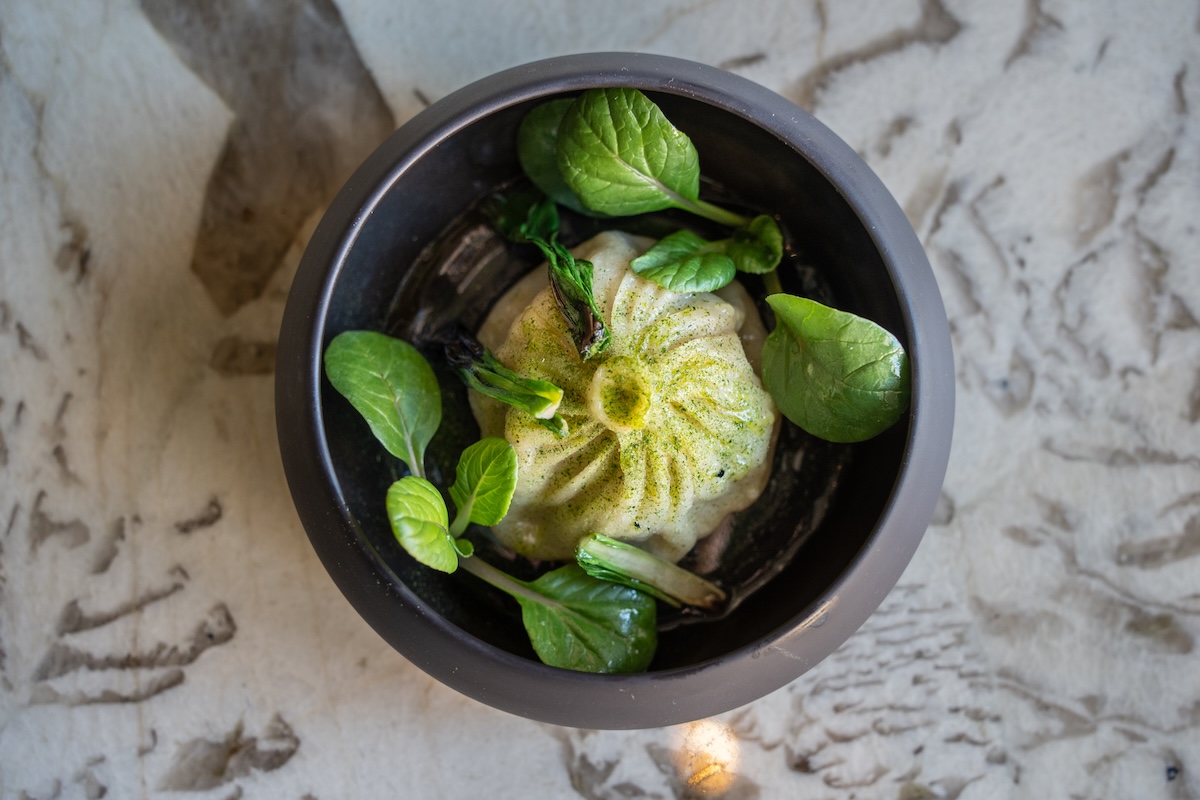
387,281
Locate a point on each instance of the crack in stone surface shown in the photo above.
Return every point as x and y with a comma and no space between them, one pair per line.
233,356
44,694
42,527
210,516
1162,551
74,619
202,764
215,630
109,548
1038,24
936,26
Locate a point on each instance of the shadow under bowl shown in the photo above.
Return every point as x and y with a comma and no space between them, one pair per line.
368,266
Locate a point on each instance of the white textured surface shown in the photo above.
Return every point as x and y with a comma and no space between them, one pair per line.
1042,643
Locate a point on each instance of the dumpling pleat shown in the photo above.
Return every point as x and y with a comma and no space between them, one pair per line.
667,479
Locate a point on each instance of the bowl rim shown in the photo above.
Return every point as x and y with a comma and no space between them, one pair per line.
497,677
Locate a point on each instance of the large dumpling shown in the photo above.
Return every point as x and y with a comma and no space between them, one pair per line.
670,430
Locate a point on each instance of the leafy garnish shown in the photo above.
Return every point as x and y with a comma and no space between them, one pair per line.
482,371
614,152
484,482
522,213
620,155
613,560
756,248
836,375
575,621
392,386
420,524
571,280
537,148
685,262
588,624
525,215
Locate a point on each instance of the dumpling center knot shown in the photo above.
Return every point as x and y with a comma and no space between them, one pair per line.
620,394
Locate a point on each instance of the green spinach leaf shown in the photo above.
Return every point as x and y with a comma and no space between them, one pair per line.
836,375
392,386
756,248
537,151
685,262
485,480
419,521
581,623
522,213
621,156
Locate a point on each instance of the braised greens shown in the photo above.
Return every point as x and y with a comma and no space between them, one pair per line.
526,215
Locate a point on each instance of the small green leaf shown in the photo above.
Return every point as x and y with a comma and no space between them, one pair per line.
581,623
485,480
571,280
836,375
392,386
684,262
522,213
420,523
758,247
537,141
621,156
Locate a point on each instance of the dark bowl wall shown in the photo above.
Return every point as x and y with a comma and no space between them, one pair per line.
375,231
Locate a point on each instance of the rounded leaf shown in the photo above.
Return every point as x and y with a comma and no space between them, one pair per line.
419,521
589,624
684,262
836,375
621,156
537,150
484,482
758,247
392,386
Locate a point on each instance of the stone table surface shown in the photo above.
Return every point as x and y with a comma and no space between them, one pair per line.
165,628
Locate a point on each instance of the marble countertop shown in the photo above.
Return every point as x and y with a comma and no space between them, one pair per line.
165,628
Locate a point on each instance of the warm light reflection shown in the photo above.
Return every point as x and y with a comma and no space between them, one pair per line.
706,757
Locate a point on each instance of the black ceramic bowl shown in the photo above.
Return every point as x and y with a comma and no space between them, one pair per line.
376,262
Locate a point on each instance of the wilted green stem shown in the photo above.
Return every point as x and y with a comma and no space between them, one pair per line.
609,559
721,216
771,281
501,580
484,373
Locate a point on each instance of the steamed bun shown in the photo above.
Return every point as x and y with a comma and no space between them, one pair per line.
670,429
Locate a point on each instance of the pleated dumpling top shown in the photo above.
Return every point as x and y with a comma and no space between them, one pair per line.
670,429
